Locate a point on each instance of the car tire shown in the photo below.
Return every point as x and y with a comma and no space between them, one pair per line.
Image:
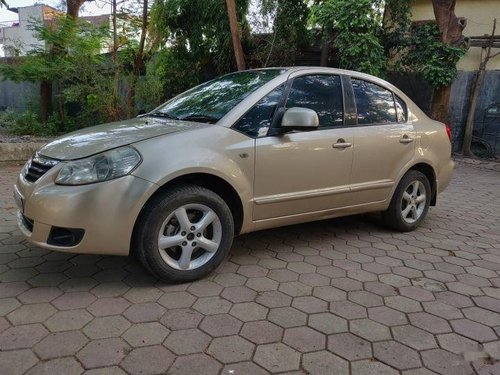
410,202
195,221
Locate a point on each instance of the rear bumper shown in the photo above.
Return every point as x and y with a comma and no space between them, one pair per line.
445,175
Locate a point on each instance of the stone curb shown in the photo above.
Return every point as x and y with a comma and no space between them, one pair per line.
18,152
492,165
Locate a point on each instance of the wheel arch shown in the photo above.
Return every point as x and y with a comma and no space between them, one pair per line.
209,181
429,172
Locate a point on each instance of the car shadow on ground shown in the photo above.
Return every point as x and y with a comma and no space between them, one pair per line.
109,276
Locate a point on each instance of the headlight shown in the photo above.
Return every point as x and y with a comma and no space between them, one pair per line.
101,167
26,166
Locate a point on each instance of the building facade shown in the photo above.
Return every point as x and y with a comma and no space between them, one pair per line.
18,37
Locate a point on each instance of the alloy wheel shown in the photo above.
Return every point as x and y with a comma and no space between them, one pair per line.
190,236
413,202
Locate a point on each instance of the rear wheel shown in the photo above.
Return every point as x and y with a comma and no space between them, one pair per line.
184,233
410,202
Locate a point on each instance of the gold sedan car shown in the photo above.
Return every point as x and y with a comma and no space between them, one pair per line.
247,151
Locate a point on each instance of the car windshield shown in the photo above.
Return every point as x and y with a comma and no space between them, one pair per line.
212,100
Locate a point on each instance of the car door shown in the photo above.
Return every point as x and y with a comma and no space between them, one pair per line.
384,139
305,171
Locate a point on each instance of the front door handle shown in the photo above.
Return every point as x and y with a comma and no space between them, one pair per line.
341,143
405,139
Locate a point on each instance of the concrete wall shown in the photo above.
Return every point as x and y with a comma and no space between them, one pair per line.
479,15
18,96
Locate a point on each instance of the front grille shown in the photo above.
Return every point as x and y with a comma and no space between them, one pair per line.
37,167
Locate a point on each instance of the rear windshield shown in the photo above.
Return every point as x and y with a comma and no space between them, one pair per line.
211,101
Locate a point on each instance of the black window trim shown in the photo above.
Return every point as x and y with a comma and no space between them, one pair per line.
406,105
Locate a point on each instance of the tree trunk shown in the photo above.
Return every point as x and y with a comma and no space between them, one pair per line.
440,104
73,7
235,34
449,24
60,108
325,49
45,100
450,27
72,10
139,65
139,59
131,96
114,57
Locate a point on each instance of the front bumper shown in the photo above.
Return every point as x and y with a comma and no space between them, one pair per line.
105,211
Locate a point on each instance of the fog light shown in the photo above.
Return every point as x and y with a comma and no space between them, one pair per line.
65,237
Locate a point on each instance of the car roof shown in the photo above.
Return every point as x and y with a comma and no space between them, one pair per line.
323,69
292,69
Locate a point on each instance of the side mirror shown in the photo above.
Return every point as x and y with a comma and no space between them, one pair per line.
300,119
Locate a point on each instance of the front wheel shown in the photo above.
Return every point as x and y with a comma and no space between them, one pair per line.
184,233
410,202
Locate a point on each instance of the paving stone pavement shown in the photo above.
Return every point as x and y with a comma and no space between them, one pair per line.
343,296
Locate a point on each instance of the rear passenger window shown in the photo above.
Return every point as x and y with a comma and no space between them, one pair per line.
375,104
321,93
401,109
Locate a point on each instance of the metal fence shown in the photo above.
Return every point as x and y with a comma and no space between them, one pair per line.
486,132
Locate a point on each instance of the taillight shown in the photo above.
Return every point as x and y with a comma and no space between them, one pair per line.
448,131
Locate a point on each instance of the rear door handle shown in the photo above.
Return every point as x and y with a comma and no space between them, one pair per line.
341,143
405,139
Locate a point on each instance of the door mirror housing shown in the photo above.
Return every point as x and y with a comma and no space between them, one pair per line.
298,118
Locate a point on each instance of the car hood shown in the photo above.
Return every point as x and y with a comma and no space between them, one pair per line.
96,139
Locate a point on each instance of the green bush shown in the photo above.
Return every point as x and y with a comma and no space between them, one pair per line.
28,123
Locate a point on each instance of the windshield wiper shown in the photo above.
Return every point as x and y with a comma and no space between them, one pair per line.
162,114
200,118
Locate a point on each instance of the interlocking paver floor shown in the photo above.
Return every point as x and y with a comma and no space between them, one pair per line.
344,296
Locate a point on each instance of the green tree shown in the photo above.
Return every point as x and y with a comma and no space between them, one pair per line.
200,28
139,57
432,49
426,54
357,27
78,72
289,32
